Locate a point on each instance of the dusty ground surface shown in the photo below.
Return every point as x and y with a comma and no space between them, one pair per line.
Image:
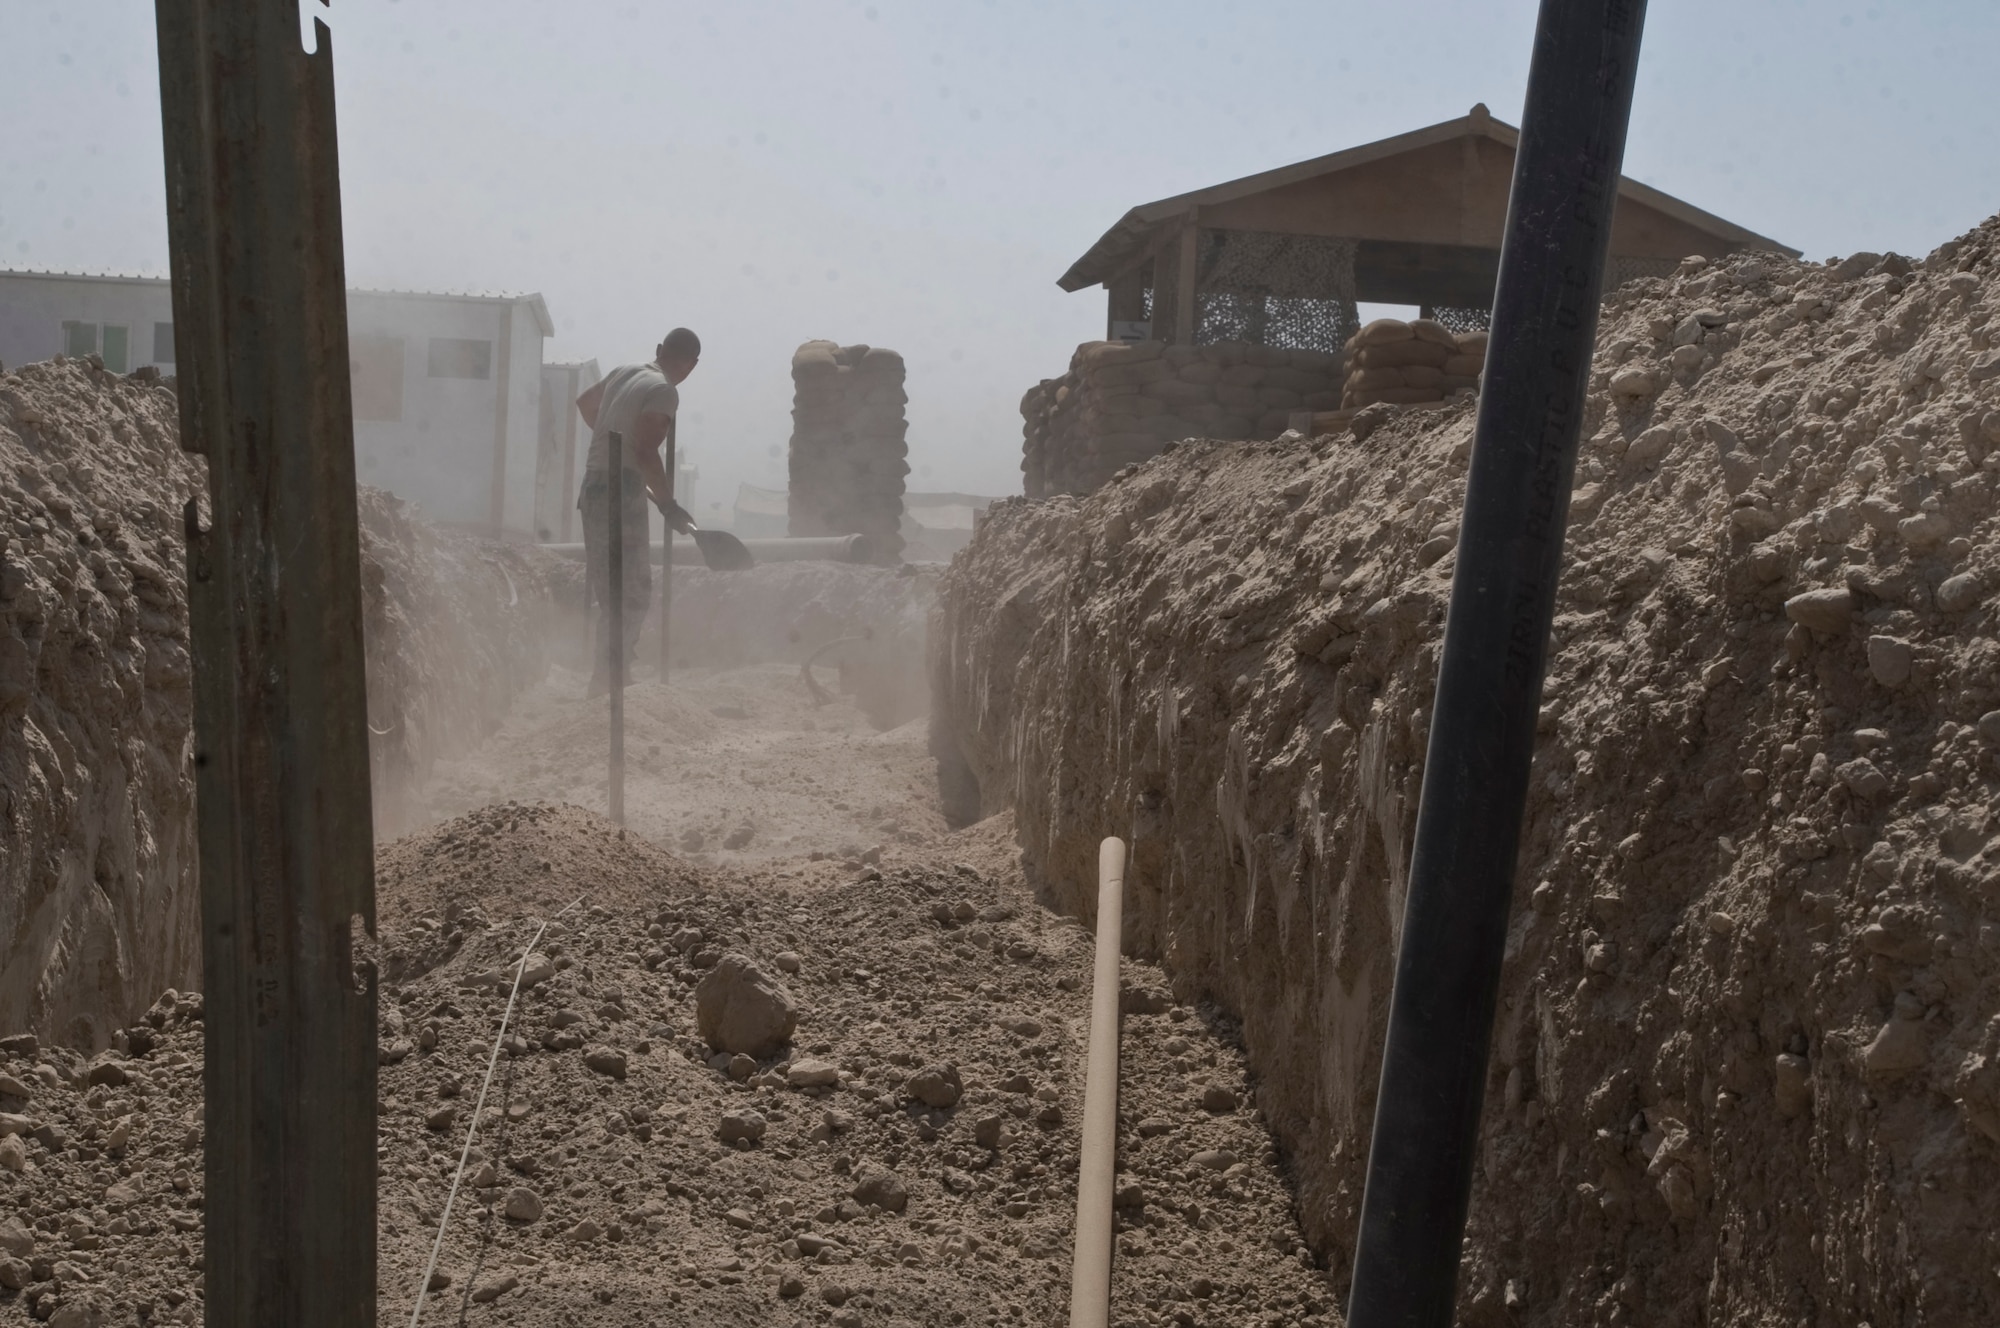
865,627
727,766
621,1141
1748,1063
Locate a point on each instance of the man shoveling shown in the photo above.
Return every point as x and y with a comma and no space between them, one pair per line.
638,402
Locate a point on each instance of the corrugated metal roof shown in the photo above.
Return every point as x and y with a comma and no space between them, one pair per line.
533,298
79,276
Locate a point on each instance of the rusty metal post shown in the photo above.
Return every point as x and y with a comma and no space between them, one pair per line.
281,742
614,617
667,556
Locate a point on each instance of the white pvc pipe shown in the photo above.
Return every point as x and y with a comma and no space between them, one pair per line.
1090,1266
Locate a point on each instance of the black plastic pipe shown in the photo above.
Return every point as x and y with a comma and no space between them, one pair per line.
1489,686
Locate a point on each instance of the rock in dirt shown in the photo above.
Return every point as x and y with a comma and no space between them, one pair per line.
1889,660
488,1292
881,1187
937,1085
1825,611
1957,594
605,1060
740,1008
523,1205
745,1126
811,1073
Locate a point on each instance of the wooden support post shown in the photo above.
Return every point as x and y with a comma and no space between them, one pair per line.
614,617
1184,278
283,825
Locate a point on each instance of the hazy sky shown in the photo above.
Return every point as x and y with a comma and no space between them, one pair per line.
916,175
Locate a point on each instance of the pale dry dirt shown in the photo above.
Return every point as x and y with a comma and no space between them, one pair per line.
856,1204
1747,1069
725,765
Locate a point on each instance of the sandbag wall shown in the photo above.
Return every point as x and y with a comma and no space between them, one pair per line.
1122,402
1405,364
850,444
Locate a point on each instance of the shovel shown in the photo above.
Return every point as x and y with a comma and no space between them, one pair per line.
722,551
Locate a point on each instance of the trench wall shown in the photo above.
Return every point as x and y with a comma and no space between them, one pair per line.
1747,1063
99,907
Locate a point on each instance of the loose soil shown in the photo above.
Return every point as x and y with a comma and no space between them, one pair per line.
905,949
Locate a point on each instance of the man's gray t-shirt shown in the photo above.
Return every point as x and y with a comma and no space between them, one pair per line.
629,392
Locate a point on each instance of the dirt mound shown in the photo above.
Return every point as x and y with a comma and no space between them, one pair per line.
97,849
517,859
1748,1060
908,1159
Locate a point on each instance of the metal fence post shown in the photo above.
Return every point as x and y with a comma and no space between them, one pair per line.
614,611
667,558
284,830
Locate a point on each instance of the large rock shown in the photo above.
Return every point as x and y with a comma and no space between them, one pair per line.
739,1007
879,1186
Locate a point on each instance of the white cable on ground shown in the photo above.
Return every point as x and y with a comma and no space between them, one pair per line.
479,1108
1090,1260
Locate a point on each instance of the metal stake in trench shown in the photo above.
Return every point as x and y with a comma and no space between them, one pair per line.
1090,1261
284,832
614,611
667,559
1566,174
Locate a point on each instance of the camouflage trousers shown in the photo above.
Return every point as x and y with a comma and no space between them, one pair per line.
595,505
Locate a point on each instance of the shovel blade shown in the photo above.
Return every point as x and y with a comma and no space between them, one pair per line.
722,551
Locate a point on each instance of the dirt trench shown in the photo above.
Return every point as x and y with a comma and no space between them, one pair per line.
906,1156
1747,1068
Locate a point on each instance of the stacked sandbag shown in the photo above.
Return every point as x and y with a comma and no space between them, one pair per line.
850,446
1405,363
1122,402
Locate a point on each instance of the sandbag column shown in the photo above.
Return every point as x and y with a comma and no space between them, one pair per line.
849,452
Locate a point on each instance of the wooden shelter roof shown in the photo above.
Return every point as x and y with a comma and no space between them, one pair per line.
1420,166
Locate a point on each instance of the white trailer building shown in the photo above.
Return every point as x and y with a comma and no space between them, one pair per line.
447,387
560,456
